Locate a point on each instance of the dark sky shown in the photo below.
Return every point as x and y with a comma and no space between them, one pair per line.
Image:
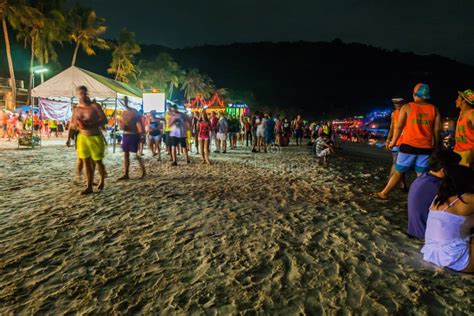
444,27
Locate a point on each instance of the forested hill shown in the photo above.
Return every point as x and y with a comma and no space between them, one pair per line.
318,79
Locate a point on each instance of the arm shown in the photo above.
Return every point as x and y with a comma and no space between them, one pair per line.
140,125
470,121
102,120
390,132
400,126
436,129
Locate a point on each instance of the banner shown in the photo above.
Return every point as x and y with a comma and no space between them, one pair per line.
55,110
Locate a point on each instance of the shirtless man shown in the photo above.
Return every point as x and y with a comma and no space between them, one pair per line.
133,130
298,127
87,119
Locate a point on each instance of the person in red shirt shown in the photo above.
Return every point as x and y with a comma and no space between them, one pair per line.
420,123
204,133
465,128
36,123
4,122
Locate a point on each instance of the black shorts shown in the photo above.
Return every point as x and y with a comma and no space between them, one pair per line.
175,141
167,139
36,127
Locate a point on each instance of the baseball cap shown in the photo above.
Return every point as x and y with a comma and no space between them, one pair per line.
422,90
399,101
467,95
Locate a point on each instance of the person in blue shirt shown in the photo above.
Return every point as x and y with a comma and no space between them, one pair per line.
424,189
269,130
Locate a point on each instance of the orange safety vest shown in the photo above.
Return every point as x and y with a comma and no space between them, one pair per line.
464,135
36,120
418,131
396,116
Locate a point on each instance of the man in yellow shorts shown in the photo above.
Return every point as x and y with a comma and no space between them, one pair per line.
465,128
88,118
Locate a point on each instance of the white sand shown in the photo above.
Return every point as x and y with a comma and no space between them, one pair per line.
272,234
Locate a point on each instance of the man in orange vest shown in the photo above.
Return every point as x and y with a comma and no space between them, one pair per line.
397,103
465,128
420,123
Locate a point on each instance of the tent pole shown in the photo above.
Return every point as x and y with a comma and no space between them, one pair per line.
115,124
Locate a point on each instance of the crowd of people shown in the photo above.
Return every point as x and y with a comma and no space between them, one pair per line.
441,198
177,134
12,124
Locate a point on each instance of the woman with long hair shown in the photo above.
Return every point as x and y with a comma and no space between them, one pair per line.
448,241
204,133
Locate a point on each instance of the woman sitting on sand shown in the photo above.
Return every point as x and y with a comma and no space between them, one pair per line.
448,241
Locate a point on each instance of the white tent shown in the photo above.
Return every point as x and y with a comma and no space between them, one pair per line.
65,84
106,90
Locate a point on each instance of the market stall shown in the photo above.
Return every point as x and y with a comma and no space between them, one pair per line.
237,110
110,93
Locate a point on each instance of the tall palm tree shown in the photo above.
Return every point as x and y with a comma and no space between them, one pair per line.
86,29
123,56
6,12
197,84
29,25
52,32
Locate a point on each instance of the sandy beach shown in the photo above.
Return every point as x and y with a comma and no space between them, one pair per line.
250,234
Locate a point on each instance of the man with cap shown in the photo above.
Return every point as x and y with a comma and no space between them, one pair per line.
397,103
420,123
465,128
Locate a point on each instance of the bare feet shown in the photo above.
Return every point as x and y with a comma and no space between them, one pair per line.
124,177
381,196
87,191
101,186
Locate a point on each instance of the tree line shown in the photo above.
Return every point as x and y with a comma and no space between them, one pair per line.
42,25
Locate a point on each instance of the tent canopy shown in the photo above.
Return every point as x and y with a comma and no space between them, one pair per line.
65,83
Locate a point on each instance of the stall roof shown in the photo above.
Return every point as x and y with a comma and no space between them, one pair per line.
65,83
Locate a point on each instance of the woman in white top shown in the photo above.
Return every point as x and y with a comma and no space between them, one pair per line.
450,224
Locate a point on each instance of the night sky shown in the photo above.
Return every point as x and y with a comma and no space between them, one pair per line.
423,26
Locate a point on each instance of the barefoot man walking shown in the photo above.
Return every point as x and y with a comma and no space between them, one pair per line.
132,126
87,119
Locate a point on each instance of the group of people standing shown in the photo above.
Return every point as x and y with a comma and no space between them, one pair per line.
13,123
441,199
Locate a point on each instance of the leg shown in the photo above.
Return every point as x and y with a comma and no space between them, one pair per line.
126,166
185,149
201,145
206,153
173,154
158,149
102,173
87,162
142,165
392,183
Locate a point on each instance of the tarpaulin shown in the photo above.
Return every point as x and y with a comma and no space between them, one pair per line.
55,110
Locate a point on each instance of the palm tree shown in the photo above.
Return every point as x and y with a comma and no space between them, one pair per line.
29,25
6,12
52,32
196,84
85,30
123,55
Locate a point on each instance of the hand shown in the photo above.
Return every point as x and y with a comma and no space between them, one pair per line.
391,145
387,146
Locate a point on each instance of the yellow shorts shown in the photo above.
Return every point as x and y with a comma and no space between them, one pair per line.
90,147
467,157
